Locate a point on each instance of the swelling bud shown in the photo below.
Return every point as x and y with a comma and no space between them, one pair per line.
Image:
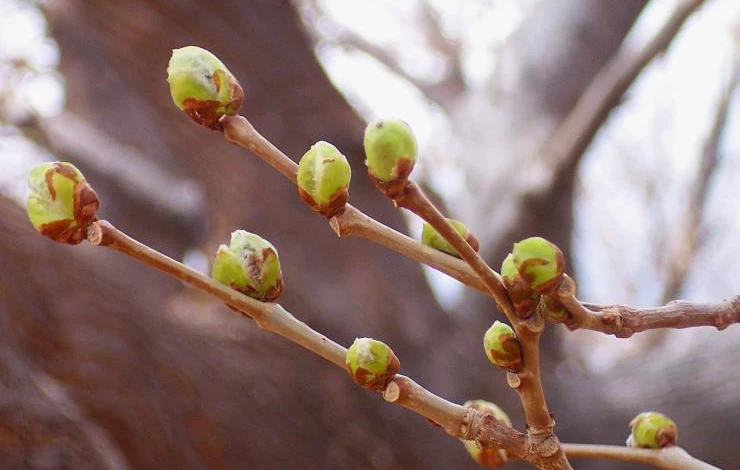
250,264
523,297
431,238
323,179
490,457
202,86
61,204
371,363
502,347
390,150
539,262
652,430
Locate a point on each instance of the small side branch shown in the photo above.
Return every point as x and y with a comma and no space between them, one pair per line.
671,458
351,222
623,321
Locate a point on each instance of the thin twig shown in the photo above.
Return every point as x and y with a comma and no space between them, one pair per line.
527,382
538,416
623,321
414,199
269,316
459,421
575,133
672,458
352,222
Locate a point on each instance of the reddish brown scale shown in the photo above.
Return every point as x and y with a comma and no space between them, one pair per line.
395,188
335,205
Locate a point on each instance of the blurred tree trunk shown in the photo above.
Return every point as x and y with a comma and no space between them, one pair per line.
154,376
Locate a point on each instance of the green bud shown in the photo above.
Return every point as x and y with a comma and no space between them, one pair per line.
487,407
652,430
490,457
390,149
502,347
202,86
523,297
431,237
61,204
553,309
371,363
250,264
539,262
323,179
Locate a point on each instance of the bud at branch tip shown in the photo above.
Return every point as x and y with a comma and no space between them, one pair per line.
61,204
202,86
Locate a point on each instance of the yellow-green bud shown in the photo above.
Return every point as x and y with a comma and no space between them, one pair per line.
523,297
652,430
371,363
553,309
390,149
431,238
539,262
61,204
490,457
502,347
202,86
323,179
250,264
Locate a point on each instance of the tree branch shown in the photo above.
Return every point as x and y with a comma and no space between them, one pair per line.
570,140
351,222
623,321
458,421
527,382
671,458
441,93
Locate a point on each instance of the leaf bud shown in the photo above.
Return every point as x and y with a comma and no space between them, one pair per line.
390,150
490,457
539,262
202,86
323,179
61,204
523,297
553,309
371,363
502,347
652,430
250,265
431,238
